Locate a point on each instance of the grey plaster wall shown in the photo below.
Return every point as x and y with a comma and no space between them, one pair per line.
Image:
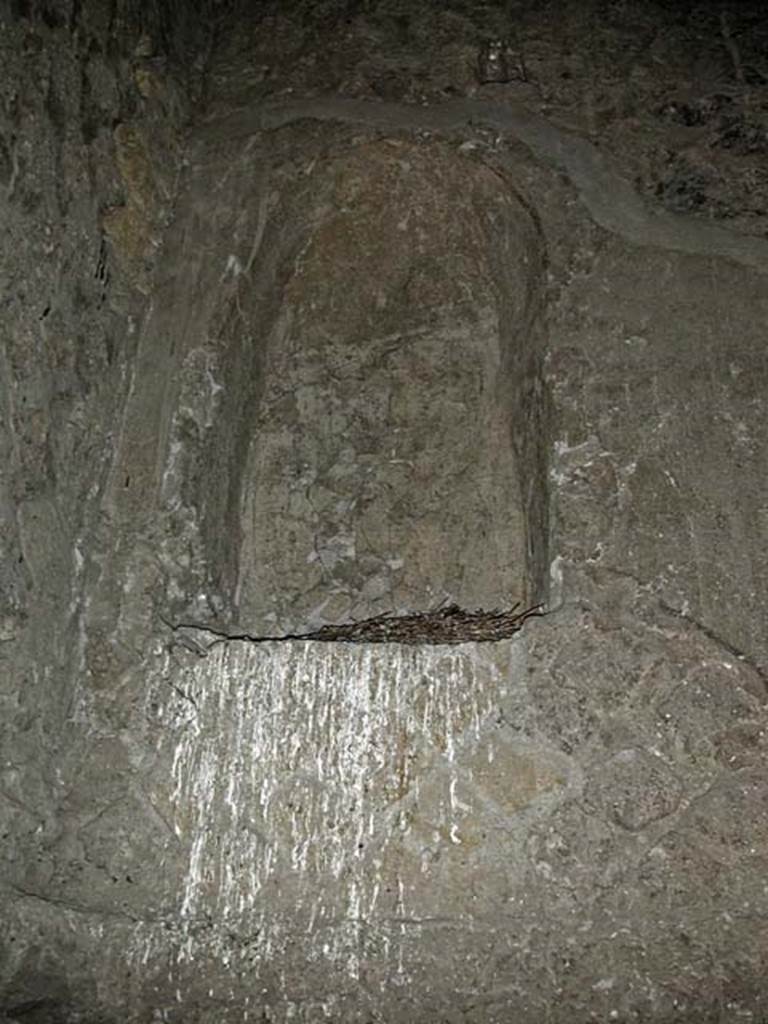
309,316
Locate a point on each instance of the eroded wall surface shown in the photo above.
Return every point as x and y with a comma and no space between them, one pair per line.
372,333
327,420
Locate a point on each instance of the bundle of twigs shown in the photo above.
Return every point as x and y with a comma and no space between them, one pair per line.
450,625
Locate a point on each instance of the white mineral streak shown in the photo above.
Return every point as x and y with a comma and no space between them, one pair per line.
295,780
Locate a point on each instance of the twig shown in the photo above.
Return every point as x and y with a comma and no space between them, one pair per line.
450,625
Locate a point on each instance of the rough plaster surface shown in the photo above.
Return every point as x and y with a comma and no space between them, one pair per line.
566,339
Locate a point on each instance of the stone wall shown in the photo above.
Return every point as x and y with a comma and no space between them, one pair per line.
93,110
311,314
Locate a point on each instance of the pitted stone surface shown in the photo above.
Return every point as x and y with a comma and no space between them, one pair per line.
243,250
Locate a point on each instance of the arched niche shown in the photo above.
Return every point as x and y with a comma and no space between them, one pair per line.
383,414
